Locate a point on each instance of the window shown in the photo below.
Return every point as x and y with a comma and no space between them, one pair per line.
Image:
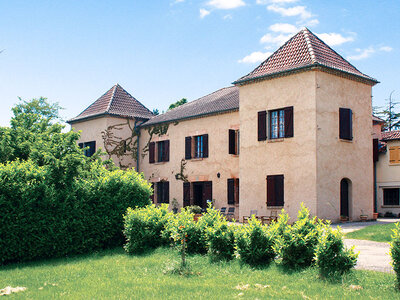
163,192
394,155
391,196
275,190
90,148
280,123
162,149
234,141
233,191
345,124
196,146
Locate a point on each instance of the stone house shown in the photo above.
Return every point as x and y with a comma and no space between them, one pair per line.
296,129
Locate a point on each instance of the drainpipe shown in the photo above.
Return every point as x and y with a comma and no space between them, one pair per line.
375,191
137,150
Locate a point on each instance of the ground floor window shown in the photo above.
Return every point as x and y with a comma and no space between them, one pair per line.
275,195
391,196
197,193
162,192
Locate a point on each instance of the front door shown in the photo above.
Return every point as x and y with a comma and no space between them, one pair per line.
198,189
344,198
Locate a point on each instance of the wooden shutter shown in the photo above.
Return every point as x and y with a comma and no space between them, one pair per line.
394,155
186,194
231,191
271,191
166,150
159,187
232,142
279,189
288,121
237,190
205,145
207,192
375,148
152,148
345,124
166,192
188,147
152,196
262,125
275,190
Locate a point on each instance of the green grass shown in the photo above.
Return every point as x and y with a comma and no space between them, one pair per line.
115,275
377,233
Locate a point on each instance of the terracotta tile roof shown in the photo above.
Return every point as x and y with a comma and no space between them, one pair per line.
303,50
225,99
117,102
377,119
391,135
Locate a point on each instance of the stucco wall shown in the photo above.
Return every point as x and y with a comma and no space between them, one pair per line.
92,131
294,157
206,169
388,176
337,158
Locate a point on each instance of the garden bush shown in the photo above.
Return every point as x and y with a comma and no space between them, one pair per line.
254,243
331,256
143,228
221,240
395,252
296,243
81,209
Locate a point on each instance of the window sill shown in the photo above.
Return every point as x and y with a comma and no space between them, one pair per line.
390,206
275,140
197,159
274,207
398,164
160,163
346,141
234,155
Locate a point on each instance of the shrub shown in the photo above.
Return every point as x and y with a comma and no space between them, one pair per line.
47,216
296,244
254,243
331,257
221,241
196,241
395,252
143,227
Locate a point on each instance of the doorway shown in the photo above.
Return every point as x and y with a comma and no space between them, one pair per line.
345,197
202,191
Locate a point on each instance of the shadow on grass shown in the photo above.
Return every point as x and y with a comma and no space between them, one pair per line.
57,261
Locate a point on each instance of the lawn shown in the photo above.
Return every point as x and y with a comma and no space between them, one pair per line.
113,274
378,233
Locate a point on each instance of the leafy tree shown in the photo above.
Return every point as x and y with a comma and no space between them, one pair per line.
389,114
177,103
156,112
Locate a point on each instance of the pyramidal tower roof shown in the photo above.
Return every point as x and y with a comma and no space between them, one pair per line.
304,51
116,102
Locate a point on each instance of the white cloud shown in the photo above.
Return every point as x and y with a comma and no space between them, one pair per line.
275,1
386,48
367,52
255,57
300,11
203,12
334,39
283,27
275,39
228,17
226,4
311,23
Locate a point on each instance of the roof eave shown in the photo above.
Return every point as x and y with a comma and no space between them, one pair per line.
72,121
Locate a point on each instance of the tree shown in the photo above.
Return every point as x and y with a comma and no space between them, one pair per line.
389,114
177,103
156,112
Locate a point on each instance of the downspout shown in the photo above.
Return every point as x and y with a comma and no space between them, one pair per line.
375,190
138,146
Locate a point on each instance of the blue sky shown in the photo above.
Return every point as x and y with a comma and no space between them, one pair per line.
161,51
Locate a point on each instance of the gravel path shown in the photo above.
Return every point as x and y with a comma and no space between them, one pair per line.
373,255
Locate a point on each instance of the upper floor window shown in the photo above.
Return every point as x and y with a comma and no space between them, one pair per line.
280,123
234,141
159,150
196,146
345,124
90,148
394,155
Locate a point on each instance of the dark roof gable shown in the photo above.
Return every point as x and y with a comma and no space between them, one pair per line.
116,102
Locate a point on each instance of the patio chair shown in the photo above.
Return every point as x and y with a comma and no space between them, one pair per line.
252,212
274,215
231,213
223,211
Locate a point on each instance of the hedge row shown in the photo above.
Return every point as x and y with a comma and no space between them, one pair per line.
43,215
307,242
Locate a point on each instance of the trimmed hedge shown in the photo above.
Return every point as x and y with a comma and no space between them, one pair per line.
47,216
